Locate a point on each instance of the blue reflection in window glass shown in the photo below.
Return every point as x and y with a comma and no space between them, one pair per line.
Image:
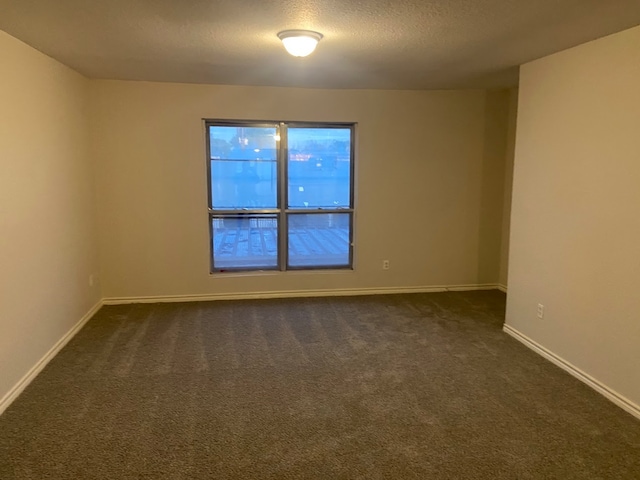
319,240
319,167
243,167
245,241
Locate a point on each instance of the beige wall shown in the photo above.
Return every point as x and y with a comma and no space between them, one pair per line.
508,186
575,224
47,242
427,182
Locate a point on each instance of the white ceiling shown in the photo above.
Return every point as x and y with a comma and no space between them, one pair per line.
400,44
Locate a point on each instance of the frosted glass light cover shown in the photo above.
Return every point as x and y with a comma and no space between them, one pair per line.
299,43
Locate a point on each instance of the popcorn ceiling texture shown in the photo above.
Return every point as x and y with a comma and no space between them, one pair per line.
400,44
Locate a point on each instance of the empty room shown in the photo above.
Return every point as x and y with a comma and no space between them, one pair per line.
318,239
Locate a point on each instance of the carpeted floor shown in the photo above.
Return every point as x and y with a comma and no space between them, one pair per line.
423,386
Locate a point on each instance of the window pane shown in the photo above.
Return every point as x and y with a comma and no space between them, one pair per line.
241,241
319,167
243,184
243,167
319,240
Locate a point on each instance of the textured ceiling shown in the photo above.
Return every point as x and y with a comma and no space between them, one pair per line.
400,44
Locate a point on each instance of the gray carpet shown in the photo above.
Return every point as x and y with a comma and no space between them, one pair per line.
382,387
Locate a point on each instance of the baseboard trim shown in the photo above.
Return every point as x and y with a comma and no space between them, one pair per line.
501,287
37,368
584,377
295,293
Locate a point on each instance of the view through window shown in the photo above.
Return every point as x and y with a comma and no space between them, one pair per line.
280,195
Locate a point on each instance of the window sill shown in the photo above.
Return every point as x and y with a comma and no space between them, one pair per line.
277,273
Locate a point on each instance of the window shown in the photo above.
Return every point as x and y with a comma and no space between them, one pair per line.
280,195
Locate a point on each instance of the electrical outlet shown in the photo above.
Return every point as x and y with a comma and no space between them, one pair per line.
540,310
91,279
385,264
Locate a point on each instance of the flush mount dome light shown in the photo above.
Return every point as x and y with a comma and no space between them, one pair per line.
299,43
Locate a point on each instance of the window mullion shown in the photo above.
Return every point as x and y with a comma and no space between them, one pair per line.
319,211
283,241
244,211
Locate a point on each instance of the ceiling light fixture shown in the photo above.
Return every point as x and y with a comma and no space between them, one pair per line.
299,43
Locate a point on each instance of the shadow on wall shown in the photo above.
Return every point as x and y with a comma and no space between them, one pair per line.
495,193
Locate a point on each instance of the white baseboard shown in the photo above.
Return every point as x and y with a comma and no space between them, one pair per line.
37,368
295,293
501,287
598,386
